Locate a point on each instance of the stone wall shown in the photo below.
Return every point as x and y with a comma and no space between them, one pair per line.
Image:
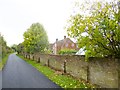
119,73
77,67
44,59
56,62
104,72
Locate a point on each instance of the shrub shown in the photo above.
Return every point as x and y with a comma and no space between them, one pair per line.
67,52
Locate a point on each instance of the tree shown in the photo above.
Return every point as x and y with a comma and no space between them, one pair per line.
35,39
14,47
4,49
20,48
98,32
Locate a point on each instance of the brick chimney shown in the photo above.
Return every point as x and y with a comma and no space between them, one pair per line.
64,37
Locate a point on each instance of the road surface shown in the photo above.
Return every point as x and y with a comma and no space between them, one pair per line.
19,74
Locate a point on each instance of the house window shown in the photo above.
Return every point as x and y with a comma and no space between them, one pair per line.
73,45
66,45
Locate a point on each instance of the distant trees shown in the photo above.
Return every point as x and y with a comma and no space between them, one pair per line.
99,32
20,48
4,49
35,39
14,47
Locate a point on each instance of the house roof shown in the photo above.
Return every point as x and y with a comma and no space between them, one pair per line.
63,41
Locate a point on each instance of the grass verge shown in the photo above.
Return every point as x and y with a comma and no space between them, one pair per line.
3,61
65,81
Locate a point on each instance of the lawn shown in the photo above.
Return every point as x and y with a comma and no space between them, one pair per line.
65,81
3,61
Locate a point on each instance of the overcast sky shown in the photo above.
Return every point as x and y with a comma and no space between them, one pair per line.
16,16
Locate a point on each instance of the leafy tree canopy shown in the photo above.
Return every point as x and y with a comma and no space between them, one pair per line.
14,47
98,32
4,49
35,39
20,48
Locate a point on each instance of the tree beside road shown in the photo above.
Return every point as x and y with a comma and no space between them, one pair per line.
35,39
98,32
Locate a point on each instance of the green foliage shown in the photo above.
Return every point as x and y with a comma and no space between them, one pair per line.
35,39
3,62
4,49
47,51
65,81
14,47
67,52
20,48
99,31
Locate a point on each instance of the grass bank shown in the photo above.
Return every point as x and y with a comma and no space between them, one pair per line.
3,61
65,81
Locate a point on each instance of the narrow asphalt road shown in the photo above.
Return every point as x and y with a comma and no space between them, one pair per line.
19,74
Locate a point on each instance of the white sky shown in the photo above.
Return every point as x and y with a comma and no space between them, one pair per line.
16,16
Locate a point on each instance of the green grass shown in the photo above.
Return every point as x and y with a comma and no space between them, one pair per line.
3,62
65,81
